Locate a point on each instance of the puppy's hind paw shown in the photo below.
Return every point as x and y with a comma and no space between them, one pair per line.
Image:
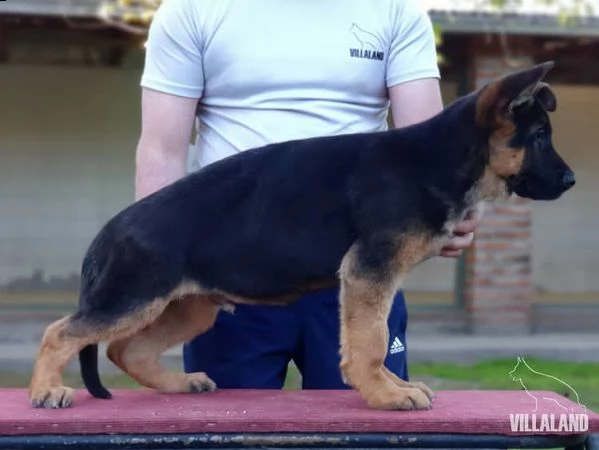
53,398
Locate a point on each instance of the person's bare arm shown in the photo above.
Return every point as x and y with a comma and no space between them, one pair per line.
166,125
414,102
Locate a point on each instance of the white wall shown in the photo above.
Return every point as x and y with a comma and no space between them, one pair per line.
67,148
565,232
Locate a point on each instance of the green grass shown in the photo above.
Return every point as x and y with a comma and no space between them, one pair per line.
494,374
116,380
21,380
488,374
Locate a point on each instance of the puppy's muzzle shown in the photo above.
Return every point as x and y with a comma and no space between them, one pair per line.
568,179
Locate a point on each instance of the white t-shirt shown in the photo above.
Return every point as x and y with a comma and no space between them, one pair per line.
273,70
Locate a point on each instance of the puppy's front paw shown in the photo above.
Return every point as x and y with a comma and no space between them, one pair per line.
200,382
392,397
404,384
424,388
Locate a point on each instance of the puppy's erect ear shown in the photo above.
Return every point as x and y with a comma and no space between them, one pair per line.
516,90
519,88
546,97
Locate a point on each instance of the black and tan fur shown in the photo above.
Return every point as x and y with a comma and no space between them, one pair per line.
269,224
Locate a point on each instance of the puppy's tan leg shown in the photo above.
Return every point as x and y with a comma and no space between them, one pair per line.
139,354
65,338
58,347
366,297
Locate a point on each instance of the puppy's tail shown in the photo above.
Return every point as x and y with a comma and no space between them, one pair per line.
94,260
88,362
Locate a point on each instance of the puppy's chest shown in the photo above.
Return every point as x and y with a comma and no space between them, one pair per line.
451,224
459,213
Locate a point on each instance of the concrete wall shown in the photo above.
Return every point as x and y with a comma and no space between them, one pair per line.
66,165
565,238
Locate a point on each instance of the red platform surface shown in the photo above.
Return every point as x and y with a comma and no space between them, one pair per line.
242,411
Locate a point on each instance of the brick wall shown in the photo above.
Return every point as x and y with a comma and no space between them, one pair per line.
498,270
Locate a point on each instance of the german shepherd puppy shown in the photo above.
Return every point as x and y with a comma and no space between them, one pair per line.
273,223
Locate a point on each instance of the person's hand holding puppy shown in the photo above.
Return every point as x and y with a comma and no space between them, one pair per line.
463,234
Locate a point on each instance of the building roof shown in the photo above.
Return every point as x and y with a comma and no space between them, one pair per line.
69,8
520,7
537,17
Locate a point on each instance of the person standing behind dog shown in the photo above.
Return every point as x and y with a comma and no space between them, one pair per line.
263,71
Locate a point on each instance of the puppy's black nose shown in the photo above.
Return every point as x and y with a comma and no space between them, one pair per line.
569,179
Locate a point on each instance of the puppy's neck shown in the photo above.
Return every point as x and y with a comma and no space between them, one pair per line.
462,147
490,187
455,151
472,146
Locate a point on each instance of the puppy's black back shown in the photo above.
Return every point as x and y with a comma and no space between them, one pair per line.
252,224
267,222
